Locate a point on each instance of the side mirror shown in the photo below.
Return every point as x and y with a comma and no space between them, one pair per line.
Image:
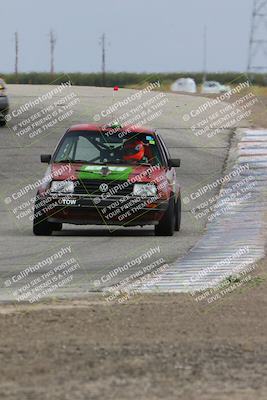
174,162
45,158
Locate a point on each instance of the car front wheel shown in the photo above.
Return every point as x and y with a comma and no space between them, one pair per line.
166,225
41,227
178,211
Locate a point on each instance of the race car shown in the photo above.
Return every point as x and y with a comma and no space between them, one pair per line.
4,104
109,175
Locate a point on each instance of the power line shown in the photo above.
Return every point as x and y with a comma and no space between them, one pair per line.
52,52
257,57
16,54
103,44
205,54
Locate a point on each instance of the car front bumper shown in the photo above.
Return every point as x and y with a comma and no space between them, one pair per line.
116,210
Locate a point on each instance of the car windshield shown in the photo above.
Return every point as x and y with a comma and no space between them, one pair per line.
108,148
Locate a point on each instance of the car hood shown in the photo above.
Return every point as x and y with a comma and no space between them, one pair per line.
142,173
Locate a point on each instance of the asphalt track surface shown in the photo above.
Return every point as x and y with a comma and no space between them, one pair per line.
98,250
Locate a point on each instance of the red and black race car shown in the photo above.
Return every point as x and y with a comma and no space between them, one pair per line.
109,175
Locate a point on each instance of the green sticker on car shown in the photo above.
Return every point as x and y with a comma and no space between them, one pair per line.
103,172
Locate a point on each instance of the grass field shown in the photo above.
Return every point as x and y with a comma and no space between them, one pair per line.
128,79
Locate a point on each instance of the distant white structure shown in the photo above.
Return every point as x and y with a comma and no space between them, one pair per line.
184,85
214,87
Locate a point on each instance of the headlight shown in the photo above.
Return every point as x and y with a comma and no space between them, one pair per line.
144,189
62,187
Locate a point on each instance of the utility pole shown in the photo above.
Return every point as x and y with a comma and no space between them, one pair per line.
257,55
16,55
205,54
103,45
52,51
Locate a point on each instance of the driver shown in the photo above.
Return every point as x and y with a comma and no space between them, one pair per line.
133,151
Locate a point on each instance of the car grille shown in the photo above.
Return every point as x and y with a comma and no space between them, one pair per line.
93,188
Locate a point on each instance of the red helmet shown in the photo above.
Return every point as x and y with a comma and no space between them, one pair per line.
133,150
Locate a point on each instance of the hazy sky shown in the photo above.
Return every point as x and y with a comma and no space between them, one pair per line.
142,35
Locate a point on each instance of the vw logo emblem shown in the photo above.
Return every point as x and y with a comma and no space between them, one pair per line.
103,187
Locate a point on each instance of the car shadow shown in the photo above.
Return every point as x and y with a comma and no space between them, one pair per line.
105,232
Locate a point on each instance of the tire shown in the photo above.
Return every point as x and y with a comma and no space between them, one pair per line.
41,227
57,226
166,225
178,212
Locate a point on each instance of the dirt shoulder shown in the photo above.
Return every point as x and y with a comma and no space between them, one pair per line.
153,347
